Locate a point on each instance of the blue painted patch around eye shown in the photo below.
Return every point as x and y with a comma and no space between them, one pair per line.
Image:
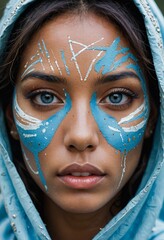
36,140
113,132
119,137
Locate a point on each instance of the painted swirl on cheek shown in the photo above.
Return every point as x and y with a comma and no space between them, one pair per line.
35,134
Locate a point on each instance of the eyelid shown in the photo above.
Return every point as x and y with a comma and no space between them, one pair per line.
34,93
125,91
131,95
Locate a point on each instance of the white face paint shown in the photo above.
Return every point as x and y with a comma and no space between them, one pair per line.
84,48
35,134
44,53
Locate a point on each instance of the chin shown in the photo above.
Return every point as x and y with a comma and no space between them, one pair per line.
80,203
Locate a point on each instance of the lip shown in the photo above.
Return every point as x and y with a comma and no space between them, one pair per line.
94,176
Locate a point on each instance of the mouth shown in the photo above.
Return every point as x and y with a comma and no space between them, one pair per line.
81,176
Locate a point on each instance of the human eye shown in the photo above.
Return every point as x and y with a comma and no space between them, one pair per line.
118,98
44,99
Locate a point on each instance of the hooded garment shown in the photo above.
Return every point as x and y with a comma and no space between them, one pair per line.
139,220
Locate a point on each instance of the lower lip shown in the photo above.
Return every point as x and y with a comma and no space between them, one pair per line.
81,182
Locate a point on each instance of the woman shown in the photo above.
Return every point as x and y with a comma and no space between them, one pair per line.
83,82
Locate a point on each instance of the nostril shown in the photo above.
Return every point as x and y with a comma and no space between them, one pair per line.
90,146
71,147
79,148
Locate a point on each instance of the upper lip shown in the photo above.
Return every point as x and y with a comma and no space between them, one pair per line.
75,167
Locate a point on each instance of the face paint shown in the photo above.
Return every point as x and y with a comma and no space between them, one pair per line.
84,48
64,61
122,138
47,55
35,134
41,53
108,62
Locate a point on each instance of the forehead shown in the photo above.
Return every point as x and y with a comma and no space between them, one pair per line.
85,30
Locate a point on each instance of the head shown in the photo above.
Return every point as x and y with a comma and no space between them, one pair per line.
81,110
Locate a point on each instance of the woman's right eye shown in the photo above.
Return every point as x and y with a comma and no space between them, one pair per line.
42,98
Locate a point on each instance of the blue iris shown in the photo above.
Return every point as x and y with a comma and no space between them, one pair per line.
47,98
116,98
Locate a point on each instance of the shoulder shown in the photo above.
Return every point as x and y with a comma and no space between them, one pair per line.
158,231
5,227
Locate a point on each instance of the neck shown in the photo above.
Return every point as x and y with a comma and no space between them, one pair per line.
64,225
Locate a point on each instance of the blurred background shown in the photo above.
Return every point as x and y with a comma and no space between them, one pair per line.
159,2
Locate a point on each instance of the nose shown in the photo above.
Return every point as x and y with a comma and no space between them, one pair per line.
82,132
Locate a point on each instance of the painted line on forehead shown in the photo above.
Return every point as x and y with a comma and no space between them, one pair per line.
37,139
56,63
64,61
113,132
75,55
85,47
28,69
45,49
41,53
47,55
34,56
91,65
74,59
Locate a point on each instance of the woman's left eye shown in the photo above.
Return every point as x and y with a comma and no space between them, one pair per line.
119,98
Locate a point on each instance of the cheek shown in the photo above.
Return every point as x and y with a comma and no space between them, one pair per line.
126,134
36,135
132,161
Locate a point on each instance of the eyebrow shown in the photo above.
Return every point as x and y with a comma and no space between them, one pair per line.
116,77
45,77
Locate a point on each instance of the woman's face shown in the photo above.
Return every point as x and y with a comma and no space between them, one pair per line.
81,110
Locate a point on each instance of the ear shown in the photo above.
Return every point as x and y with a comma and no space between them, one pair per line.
11,123
152,121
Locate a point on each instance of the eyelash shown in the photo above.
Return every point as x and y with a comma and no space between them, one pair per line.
124,93
33,96
113,106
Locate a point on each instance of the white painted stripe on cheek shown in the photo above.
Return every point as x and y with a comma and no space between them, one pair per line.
135,128
132,115
30,123
113,129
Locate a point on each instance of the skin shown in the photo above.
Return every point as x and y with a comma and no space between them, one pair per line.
78,138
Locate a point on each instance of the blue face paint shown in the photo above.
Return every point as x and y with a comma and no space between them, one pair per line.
108,62
64,61
38,135
121,138
117,136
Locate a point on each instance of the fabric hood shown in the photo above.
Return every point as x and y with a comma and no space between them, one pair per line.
19,218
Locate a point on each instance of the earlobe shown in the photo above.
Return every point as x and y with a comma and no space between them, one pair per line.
11,123
14,133
149,130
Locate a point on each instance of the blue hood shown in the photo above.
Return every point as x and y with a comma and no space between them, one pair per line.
19,218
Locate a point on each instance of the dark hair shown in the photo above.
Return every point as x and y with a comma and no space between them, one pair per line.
123,13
